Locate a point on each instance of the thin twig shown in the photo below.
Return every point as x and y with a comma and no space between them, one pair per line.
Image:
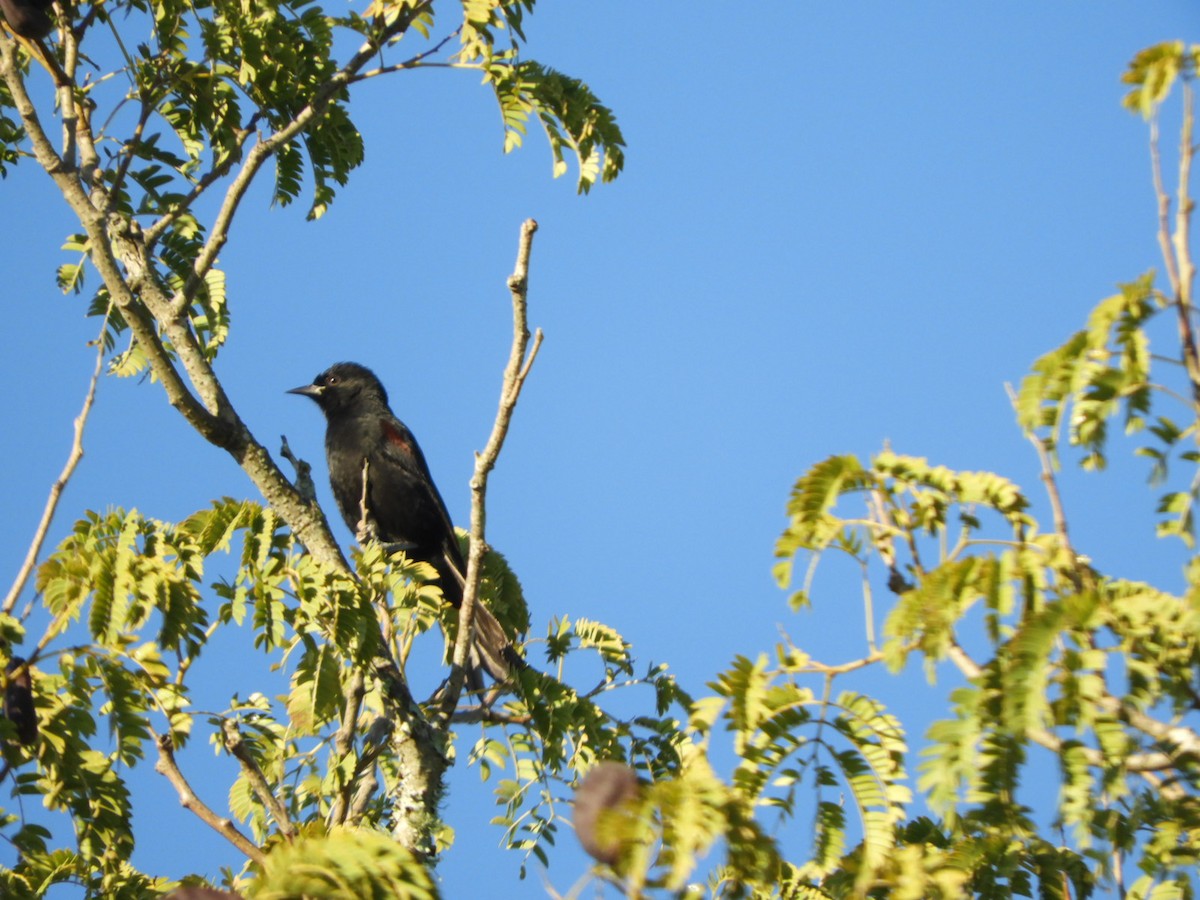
410,63
304,480
258,155
375,740
1057,510
520,360
255,777
1164,210
203,183
829,670
168,767
1183,255
1175,251
128,152
60,483
481,713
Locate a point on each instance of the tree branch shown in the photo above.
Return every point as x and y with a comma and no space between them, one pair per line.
168,767
482,713
207,180
1184,740
101,253
1183,253
60,483
127,153
254,775
1057,510
343,742
1175,250
265,149
364,781
520,360
410,63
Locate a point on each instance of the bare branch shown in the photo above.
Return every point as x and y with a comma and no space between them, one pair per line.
830,670
60,483
128,153
366,530
1174,247
1186,270
168,767
520,360
304,479
483,713
1164,210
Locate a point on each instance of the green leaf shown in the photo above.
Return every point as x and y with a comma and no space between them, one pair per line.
1153,72
316,689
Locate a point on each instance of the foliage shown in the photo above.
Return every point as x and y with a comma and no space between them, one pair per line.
1097,670
335,779
218,88
343,865
1056,660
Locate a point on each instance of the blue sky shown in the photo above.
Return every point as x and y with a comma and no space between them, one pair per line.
839,225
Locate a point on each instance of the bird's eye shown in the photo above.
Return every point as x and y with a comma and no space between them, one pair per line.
331,379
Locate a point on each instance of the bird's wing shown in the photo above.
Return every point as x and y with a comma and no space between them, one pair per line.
401,447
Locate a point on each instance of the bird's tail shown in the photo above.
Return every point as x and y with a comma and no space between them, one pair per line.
491,651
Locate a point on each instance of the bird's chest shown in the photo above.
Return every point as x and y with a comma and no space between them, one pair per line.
349,448
365,464
350,443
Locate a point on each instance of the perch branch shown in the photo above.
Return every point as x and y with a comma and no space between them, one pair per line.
520,360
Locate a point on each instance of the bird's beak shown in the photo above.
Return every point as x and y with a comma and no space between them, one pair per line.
309,390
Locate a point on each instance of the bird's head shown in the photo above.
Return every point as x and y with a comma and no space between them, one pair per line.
344,386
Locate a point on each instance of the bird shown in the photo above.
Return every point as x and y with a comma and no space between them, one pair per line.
366,442
28,18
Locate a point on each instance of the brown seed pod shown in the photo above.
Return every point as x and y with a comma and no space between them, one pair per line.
18,699
606,787
201,893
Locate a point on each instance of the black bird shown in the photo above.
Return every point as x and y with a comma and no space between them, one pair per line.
28,18
364,439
